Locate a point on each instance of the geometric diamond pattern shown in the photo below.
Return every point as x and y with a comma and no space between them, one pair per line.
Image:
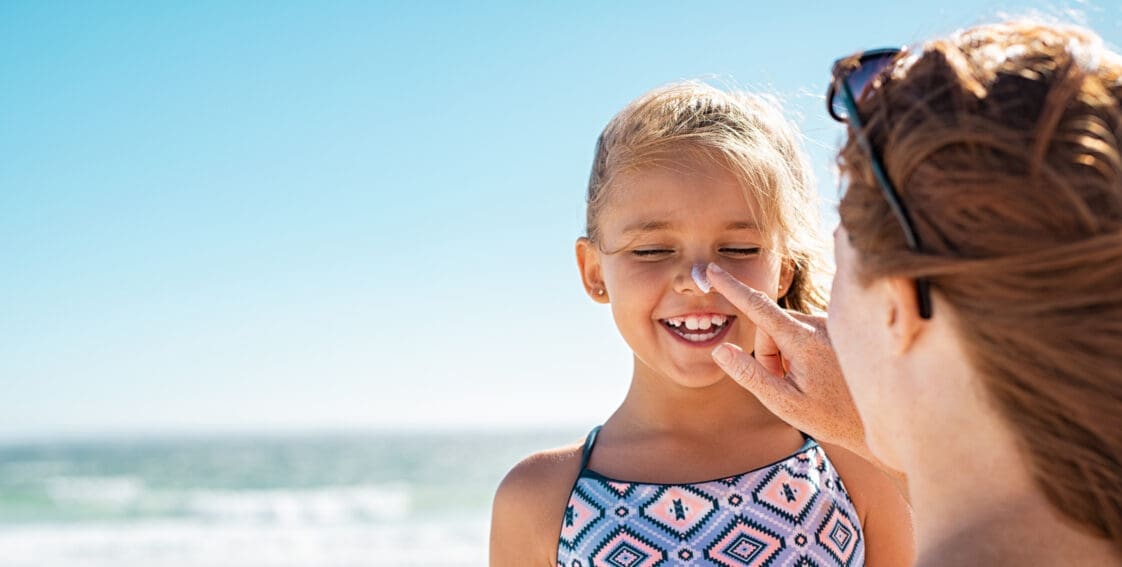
806,561
581,516
838,535
730,481
786,493
625,548
744,543
623,489
680,510
793,512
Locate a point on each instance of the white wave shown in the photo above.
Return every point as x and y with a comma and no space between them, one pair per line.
443,543
323,506
114,492
313,506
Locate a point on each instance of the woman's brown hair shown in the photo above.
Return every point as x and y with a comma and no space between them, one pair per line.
1004,142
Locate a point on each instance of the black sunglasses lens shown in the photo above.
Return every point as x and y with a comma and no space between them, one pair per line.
859,80
837,107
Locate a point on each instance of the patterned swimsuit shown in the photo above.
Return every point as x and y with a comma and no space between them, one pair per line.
793,512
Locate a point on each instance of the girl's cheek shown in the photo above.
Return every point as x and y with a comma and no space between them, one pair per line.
758,275
647,269
752,268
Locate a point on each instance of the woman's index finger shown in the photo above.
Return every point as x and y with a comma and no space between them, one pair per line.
757,306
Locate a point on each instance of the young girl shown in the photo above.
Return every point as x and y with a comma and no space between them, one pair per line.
692,469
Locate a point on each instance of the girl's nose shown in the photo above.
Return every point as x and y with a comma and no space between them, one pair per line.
692,279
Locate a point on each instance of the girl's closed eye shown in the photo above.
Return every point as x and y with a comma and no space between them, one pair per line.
740,251
651,253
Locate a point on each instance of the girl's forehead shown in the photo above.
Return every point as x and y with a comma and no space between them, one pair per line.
671,195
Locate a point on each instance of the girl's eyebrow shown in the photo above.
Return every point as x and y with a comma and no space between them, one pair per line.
742,225
648,226
654,226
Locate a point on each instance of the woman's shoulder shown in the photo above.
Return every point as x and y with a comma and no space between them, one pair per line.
530,502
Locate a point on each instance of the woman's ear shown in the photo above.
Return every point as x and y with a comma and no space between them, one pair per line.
588,261
904,321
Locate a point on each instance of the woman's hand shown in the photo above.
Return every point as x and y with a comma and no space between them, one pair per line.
793,371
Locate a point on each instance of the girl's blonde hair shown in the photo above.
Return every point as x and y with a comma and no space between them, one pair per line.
1005,142
744,133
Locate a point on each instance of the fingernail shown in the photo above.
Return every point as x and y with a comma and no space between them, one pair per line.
713,267
722,354
700,278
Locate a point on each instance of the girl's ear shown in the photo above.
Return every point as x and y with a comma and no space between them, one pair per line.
588,261
786,276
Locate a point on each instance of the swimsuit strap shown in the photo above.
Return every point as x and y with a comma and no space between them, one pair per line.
588,443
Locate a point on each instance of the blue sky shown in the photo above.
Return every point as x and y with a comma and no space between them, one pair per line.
293,215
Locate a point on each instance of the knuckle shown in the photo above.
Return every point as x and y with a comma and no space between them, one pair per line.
743,371
758,298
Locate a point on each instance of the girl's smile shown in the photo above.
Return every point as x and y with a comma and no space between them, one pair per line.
699,329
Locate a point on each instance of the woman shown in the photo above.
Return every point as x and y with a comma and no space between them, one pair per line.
976,311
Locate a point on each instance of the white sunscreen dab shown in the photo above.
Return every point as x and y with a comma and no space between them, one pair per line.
701,278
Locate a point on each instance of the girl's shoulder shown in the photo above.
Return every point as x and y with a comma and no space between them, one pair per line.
530,504
544,469
881,506
865,484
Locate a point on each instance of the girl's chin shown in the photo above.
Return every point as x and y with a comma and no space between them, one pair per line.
700,378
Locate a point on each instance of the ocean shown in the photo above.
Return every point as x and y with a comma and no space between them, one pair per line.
361,500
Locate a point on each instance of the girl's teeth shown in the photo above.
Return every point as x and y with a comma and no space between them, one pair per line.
701,338
695,323
696,328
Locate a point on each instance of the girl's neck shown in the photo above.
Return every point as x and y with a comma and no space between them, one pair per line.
655,404
668,433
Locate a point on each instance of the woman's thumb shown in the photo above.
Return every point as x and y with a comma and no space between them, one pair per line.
772,390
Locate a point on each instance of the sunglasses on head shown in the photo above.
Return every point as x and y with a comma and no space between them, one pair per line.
853,79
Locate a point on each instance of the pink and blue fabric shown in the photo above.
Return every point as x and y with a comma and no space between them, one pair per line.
795,512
